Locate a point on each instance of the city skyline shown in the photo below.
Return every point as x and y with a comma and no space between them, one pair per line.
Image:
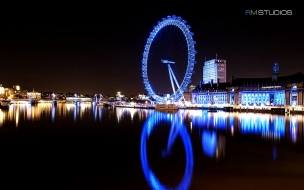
95,52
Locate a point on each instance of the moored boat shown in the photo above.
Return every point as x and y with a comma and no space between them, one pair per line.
212,109
166,107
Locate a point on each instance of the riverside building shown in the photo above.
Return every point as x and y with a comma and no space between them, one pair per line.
279,91
214,71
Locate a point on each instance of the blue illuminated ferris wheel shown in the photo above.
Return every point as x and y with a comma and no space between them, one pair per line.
168,59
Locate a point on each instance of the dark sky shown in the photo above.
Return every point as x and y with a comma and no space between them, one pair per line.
98,48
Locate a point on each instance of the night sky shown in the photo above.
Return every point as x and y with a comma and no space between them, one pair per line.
98,48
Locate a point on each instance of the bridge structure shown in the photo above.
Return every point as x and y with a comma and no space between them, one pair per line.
78,99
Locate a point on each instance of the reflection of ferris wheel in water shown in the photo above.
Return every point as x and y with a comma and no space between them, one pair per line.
170,45
177,130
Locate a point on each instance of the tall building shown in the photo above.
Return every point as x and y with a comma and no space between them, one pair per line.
214,71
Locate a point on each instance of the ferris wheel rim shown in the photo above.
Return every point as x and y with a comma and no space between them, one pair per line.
181,24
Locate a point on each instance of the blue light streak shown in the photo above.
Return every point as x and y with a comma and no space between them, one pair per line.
177,128
209,143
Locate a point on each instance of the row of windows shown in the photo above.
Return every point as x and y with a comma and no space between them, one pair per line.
276,98
213,71
263,99
213,99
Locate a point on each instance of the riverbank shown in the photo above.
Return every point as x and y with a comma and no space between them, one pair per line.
250,109
269,109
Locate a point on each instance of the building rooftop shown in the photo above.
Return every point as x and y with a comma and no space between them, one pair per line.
281,80
251,82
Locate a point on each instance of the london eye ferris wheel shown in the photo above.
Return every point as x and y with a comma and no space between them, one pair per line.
168,59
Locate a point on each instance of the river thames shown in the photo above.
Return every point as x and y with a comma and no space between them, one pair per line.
85,146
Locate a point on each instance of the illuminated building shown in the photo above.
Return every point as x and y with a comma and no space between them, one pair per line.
214,71
211,94
272,91
35,95
191,88
119,96
1,89
15,92
16,87
142,97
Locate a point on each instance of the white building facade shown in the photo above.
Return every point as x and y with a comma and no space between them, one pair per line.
214,71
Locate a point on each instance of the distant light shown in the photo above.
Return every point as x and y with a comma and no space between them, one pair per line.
271,86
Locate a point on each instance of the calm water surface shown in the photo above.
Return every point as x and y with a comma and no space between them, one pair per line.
84,146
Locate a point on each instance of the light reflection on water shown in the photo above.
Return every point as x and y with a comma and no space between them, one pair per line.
213,145
271,127
268,126
27,112
209,143
177,129
212,130
125,113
